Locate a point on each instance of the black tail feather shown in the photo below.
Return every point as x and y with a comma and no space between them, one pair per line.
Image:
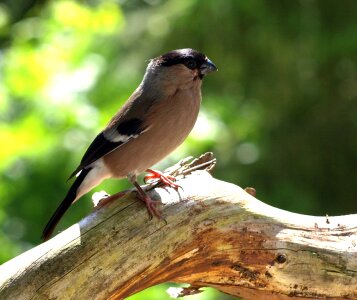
65,204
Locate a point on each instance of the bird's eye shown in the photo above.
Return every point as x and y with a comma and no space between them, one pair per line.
191,64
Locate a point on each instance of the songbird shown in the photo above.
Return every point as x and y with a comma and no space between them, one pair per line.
153,122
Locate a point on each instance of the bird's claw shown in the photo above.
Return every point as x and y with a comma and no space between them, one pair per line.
161,177
151,207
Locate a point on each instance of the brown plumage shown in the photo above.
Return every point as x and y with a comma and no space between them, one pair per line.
153,122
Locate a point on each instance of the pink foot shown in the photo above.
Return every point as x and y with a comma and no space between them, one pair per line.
151,206
161,177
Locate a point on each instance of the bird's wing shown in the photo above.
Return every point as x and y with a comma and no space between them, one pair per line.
110,139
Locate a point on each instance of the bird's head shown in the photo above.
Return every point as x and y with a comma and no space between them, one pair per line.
188,61
180,67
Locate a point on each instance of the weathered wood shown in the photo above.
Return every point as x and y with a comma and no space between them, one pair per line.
216,235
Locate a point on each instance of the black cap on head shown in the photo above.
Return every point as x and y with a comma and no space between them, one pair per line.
189,57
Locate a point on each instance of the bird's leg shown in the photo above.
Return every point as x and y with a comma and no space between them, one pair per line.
150,204
161,177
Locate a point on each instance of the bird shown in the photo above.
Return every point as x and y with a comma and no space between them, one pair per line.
153,122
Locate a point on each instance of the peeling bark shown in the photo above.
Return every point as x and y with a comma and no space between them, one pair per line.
216,235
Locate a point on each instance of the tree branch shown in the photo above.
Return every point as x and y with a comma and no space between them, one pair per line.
216,235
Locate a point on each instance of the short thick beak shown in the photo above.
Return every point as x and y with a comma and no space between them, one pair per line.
207,67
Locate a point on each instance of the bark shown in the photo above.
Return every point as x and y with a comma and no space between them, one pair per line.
215,234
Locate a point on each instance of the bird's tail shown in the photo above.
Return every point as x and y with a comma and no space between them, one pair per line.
65,204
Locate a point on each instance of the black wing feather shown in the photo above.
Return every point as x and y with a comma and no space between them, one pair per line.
102,145
98,148
130,127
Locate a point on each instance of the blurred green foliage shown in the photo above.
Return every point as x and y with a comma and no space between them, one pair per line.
280,115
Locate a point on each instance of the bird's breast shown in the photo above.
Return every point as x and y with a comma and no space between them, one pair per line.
169,122
177,113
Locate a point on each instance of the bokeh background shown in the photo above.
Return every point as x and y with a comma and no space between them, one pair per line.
280,115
